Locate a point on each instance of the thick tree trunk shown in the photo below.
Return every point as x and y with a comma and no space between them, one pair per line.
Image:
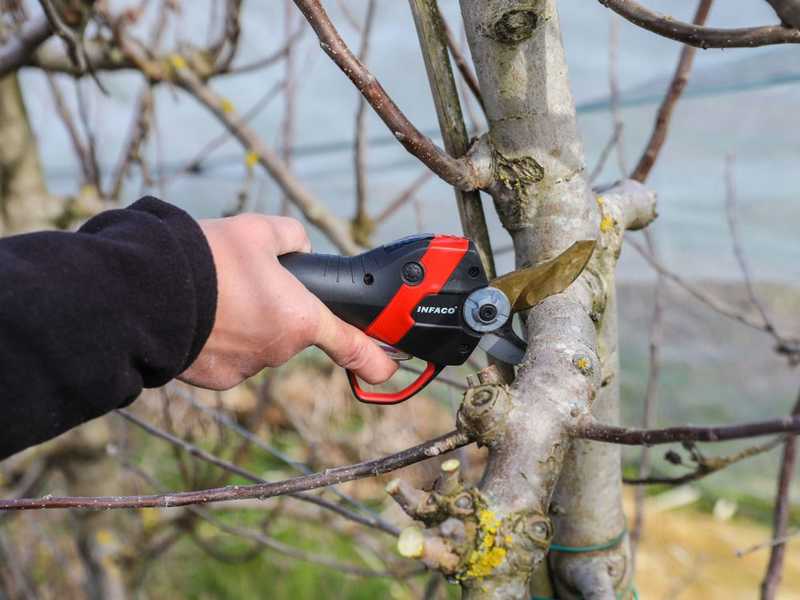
545,202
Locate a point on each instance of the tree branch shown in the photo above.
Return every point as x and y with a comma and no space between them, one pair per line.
201,454
313,210
18,50
462,173
701,37
780,518
371,468
674,92
589,429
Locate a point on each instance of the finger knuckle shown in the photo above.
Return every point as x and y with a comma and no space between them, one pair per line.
356,356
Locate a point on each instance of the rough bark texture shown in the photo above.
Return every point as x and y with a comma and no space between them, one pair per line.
545,202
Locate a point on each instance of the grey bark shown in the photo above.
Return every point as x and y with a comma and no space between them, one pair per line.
544,201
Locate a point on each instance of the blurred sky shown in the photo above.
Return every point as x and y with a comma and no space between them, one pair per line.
741,101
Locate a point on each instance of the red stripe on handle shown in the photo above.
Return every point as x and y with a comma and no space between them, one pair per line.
439,261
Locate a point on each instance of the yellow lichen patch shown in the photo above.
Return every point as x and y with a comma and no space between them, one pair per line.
177,61
489,555
601,201
150,518
250,159
104,537
227,106
583,363
606,224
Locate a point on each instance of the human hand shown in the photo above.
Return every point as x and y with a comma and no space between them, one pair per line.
264,314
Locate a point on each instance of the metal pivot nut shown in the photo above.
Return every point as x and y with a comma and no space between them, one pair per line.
487,309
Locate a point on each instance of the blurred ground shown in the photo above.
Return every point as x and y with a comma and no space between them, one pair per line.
690,555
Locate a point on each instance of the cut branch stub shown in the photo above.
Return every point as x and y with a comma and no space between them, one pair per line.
483,412
465,539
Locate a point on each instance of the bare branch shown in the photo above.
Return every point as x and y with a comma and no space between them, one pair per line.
701,37
733,227
780,518
311,207
433,43
371,468
462,173
589,429
271,59
225,465
404,196
18,50
674,92
707,466
651,392
361,222
467,74
706,298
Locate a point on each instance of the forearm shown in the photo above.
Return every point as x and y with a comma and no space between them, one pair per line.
89,318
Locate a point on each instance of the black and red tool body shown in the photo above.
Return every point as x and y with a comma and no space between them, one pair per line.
408,294
428,296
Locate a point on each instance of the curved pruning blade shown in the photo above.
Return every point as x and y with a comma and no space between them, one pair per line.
504,345
525,288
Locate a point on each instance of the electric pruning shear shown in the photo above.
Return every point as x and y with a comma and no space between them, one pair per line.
427,296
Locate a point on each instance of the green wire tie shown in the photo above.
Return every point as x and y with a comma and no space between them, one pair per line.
612,543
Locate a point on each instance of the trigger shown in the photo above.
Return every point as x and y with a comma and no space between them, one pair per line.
393,352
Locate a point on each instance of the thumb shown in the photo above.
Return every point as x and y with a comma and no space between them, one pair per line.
352,349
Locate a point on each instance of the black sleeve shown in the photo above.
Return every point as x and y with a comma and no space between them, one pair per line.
89,318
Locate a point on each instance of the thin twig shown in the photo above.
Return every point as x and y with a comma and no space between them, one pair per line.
404,196
458,172
467,74
676,87
311,207
65,116
651,391
768,544
616,99
225,465
701,37
589,429
733,227
371,468
706,298
273,544
361,218
780,517
225,421
707,466
271,59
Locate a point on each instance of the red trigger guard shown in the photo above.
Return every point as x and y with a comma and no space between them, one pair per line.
428,375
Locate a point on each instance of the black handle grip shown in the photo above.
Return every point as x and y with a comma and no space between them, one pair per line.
352,287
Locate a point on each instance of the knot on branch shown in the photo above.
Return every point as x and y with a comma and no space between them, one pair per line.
483,412
513,178
514,25
464,538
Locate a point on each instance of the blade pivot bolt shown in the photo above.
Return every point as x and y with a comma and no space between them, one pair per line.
486,309
487,313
